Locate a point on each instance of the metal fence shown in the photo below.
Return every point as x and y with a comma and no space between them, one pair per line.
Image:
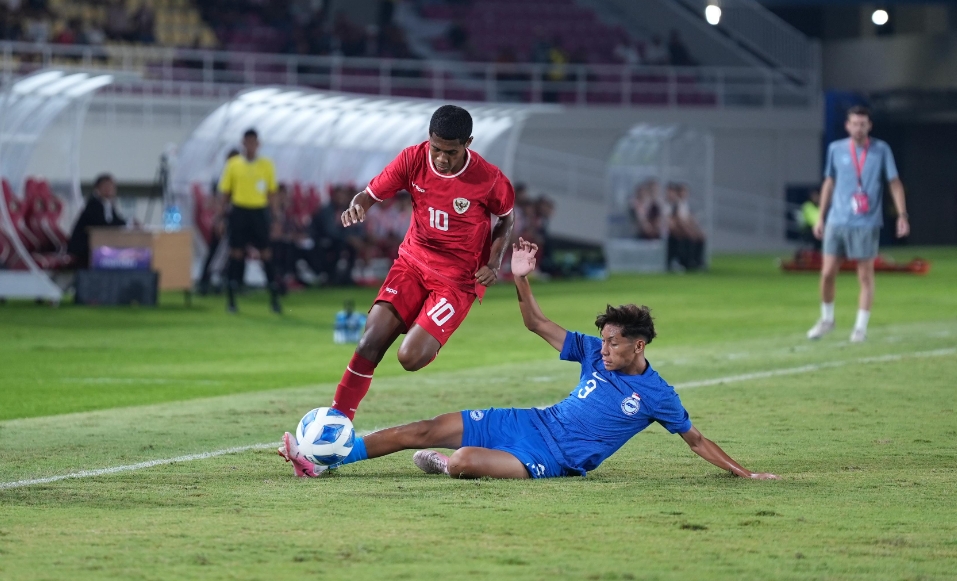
169,71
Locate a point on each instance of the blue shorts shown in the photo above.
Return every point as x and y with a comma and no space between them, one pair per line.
510,430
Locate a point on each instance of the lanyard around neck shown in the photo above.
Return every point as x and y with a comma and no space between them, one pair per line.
859,161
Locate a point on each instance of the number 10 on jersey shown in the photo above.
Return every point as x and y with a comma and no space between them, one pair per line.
441,312
439,219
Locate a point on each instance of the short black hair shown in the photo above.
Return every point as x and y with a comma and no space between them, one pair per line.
635,321
250,133
232,153
859,110
452,123
102,178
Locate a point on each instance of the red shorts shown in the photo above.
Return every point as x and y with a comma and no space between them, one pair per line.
421,297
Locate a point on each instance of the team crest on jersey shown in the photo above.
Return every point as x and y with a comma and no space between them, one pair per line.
461,205
476,415
631,404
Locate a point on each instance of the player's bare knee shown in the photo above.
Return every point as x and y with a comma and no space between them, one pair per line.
461,463
412,361
370,347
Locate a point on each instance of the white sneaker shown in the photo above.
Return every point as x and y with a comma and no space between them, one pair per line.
821,328
858,335
431,462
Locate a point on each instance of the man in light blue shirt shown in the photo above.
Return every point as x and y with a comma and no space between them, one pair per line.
852,215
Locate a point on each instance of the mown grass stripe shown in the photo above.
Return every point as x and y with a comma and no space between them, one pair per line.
702,383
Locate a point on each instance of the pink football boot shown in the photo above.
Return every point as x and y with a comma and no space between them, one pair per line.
290,453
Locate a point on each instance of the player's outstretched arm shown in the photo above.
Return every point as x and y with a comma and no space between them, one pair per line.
357,209
488,274
713,453
523,263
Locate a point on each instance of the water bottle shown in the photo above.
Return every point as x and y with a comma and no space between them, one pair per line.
172,219
340,328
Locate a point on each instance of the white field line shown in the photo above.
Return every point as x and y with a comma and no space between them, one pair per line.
814,367
129,467
703,383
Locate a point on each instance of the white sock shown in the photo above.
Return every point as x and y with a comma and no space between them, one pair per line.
827,311
862,318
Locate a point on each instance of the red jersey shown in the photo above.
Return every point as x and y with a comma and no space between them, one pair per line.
451,214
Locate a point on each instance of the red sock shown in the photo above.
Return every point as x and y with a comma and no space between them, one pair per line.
354,385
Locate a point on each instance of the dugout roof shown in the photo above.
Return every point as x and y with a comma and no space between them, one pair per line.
323,138
29,107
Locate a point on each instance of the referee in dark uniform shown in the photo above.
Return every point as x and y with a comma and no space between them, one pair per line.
248,185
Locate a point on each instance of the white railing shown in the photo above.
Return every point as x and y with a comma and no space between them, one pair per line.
750,23
561,174
213,73
749,214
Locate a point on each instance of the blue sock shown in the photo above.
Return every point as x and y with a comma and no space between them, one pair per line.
358,453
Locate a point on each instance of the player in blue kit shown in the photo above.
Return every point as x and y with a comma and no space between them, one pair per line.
618,395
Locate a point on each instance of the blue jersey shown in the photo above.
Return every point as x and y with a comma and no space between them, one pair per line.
605,410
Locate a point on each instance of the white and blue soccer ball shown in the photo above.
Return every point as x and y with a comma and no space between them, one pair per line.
325,436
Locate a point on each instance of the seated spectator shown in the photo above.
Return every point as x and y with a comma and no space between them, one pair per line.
544,210
678,52
386,224
99,211
118,23
628,53
144,24
656,53
645,211
281,228
685,237
336,248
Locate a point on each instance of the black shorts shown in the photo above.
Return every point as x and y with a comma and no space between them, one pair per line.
249,227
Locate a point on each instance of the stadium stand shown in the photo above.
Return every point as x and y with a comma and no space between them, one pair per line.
89,22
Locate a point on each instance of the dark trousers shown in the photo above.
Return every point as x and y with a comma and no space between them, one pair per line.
688,253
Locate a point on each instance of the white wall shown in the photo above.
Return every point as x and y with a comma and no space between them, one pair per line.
757,152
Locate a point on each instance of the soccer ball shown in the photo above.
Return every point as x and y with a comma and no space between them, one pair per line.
325,436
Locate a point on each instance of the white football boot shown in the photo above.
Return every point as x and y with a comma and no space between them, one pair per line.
821,328
431,462
858,335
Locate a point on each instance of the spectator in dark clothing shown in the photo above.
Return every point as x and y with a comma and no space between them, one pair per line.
99,211
646,212
678,52
685,237
217,232
335,248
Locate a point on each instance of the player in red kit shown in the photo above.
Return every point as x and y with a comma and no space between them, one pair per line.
449,256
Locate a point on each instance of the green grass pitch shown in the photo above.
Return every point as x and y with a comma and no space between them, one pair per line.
862,435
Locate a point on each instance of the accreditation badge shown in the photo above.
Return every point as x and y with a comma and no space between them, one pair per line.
860,203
